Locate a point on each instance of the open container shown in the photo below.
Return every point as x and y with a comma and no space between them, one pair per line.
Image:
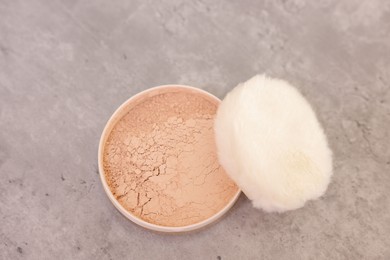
111,174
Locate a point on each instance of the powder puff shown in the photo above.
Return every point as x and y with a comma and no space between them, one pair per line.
271,144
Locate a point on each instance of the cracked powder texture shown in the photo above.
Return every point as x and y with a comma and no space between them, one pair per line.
160,160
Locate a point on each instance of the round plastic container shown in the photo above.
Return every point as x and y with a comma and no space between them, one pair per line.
118,114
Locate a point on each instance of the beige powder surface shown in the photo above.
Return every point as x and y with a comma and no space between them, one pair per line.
160,161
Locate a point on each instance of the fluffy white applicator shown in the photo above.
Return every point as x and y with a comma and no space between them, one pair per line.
271,144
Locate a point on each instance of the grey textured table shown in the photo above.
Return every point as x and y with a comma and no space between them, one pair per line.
66,65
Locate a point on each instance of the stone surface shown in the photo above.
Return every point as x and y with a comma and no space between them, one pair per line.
66,65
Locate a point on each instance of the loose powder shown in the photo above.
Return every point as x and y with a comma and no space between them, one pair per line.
160,160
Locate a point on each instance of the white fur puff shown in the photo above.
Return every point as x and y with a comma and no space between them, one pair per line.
271,144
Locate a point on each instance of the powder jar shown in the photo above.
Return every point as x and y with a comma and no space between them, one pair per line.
158,162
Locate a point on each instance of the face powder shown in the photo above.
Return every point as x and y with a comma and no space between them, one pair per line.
159,163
